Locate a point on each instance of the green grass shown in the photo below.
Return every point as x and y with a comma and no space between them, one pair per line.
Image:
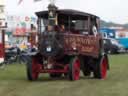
13,82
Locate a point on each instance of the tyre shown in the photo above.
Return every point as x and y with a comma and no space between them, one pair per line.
100,70
32,69
74,69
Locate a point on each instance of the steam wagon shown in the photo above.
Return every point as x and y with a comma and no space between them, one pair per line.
68,41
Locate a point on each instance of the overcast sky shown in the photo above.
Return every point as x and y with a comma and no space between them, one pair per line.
108,10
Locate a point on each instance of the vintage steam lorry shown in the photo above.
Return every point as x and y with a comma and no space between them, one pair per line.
68,41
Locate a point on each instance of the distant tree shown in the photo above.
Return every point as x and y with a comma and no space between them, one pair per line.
111,24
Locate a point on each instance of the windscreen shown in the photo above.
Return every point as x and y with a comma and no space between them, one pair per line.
71,23
79,24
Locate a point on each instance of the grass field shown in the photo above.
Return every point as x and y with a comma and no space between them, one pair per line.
13,82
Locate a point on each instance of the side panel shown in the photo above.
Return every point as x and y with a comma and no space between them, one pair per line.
82,44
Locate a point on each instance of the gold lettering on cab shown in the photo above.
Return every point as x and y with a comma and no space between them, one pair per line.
82,43
81,40
87,49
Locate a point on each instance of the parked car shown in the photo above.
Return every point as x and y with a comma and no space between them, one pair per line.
112,46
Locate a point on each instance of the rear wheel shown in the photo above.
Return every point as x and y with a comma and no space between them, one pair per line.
33,69
101,68
74,69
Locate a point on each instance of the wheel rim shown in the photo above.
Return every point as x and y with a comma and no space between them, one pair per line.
35,69
104,68
76,71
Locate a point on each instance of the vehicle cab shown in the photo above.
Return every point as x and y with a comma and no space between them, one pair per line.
71,24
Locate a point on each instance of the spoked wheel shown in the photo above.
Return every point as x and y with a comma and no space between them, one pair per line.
101,68
74,69
33,69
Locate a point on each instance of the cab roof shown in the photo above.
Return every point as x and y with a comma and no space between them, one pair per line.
67,12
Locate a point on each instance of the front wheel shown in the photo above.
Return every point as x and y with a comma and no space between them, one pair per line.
101,67
32,69
74,69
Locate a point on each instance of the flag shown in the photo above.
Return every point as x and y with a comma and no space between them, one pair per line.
20,1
